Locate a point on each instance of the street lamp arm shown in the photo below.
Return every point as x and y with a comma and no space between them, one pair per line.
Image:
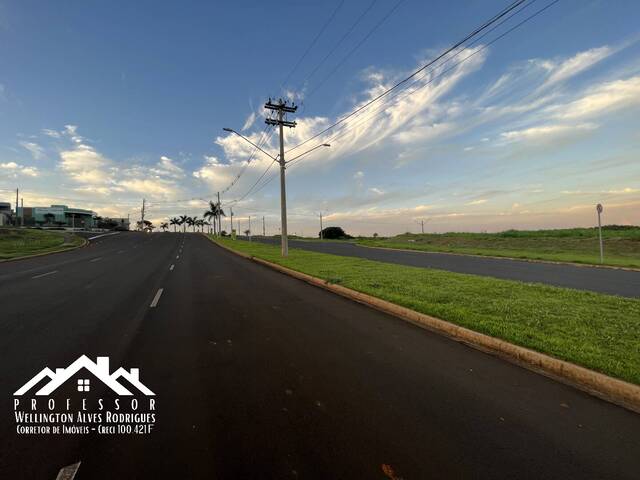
230,130
308,151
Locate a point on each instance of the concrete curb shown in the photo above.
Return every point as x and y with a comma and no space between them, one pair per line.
84,243
611,389
495,257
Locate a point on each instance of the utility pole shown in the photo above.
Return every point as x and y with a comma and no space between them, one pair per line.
264,234
219,217
249,227
22,212
321,234
281,108
15,223
422,223
142,215
231,210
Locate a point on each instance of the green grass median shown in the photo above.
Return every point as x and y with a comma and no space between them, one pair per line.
601,332
25,242
577,245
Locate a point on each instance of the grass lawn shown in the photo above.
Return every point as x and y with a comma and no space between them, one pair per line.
24,242
579,245
601,332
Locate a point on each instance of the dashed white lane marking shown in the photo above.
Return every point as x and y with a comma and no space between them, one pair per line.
96,259
171,267
121,251
156,299
177,256
68,472
103,235
45,274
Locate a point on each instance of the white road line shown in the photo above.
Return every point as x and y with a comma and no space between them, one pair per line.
156,299
103,235
96,259
177,256
121,251
171,267
45,274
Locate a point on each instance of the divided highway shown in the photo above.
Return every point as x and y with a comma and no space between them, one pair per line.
625,283
258,375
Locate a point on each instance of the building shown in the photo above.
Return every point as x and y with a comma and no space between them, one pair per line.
6,214
57,216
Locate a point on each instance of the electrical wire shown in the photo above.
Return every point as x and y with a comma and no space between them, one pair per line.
502,35
355,48
312,44
484,26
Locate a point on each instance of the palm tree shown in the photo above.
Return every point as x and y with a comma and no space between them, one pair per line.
215,211
200,223
194,222
183,221
174,221
164,226
211,213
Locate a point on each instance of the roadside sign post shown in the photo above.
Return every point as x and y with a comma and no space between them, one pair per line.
599,210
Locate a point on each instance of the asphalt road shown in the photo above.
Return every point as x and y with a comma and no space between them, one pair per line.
625,283
260,376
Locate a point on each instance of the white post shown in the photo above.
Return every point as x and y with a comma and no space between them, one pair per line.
599,210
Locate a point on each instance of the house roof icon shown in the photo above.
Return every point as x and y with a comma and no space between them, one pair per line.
99,368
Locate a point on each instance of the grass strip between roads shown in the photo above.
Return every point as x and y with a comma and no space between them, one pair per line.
16,243
575,245
600,332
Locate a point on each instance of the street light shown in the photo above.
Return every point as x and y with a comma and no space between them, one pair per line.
284,240
231,130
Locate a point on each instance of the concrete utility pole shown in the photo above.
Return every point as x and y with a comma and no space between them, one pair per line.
15,222
422,223
231,210
599,210
249,227
264,234
22,212
219,217
142,215
281,108
321,234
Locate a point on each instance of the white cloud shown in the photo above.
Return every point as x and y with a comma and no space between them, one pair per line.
576,64
545,132
477,202
51,133
604,98
166,167
358,175
248,123
14,169
36,151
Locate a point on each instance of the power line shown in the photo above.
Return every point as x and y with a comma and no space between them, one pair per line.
502,35
312,44
382,107
488,23
355,48
342,39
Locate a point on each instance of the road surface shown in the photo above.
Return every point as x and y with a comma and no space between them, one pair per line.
260,376
625,283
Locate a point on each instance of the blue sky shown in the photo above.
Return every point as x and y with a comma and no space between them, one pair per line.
104,103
